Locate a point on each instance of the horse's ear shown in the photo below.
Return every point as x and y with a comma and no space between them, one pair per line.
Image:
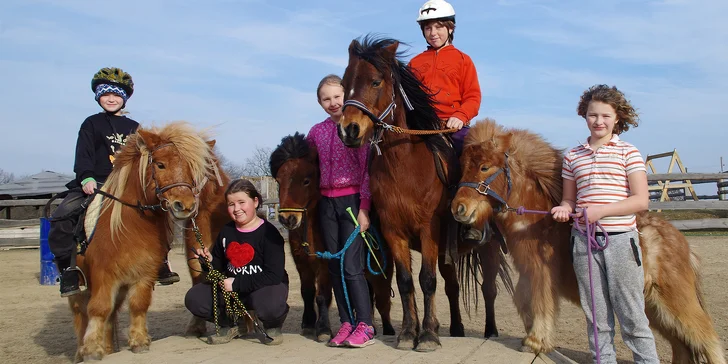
148,139
506,141
211,143
354,44
390,51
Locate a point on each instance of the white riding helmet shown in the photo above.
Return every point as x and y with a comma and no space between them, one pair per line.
436,9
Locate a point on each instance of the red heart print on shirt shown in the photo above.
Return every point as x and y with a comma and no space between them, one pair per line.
239,254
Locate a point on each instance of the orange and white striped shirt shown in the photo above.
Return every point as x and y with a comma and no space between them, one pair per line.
601,177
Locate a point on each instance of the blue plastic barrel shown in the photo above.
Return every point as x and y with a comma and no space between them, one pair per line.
48,269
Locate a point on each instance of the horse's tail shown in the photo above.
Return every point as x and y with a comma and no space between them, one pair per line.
680,314
468,274
504,272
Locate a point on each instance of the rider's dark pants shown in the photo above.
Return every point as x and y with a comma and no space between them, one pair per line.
458,138
60,237
336,226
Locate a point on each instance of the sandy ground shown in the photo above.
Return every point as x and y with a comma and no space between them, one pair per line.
36,323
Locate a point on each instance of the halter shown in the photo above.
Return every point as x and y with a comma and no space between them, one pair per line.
380,124
304,211
158,191
484,189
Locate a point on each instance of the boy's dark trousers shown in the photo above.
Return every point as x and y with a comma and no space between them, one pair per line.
61,235
336,226
270,304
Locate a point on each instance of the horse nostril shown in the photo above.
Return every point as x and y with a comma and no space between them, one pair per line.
352,131
177,206
292,220
461,209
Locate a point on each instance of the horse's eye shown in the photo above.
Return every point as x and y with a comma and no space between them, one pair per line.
483,168
160,165
377,83
306,182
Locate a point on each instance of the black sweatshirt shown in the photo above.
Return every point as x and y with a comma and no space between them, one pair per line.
256,259
101,135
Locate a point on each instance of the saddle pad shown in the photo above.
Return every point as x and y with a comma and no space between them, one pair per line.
92,216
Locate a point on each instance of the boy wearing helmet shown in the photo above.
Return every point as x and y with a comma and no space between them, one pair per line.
99,138
446,71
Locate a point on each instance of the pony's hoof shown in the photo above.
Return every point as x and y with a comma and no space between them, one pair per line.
387,329
308,331
140,349
92,353
457,330
427,342
534,344
406,340
490,333
323,337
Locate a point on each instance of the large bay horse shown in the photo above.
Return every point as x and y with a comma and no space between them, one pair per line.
540,249
294,164
156,184
411,198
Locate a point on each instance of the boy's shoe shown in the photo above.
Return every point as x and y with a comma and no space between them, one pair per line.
166,276
225,336
69,282
344,331
362,336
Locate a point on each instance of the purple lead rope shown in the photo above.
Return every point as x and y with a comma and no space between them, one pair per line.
592,244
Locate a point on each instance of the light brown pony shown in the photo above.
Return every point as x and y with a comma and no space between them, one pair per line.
162,168
294,164
407,190
539,245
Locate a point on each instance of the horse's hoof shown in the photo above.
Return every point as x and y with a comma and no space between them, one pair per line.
387,329
427,342
525,349
140,349
323,337
405,344
457,330
490,333
533,343
308,331
94,353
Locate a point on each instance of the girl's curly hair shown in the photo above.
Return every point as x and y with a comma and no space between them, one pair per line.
626,114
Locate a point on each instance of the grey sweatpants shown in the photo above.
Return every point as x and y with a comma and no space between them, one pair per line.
618,281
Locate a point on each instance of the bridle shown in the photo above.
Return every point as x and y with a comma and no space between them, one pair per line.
158,191
304,212
484,189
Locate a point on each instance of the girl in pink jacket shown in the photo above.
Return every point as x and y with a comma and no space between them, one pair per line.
344,183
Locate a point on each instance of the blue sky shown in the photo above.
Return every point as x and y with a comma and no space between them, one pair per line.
250,68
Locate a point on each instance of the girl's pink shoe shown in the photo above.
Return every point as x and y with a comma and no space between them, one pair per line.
344,332
362,336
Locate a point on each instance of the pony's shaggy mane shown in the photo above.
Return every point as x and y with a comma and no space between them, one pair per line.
292,147
527,152
191,145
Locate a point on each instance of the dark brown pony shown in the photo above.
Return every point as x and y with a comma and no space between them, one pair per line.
165,167
539,245
294,164
411,199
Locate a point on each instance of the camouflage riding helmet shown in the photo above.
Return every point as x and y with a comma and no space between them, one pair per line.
113,76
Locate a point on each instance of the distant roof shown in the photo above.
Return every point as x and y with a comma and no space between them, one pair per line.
43,183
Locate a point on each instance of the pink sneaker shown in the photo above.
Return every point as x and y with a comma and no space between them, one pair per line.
344,332
362,336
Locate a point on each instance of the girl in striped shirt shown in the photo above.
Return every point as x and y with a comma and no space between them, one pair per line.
606,176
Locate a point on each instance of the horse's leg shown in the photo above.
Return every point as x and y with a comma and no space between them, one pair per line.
452,290
308,293
140,297
79,305
405,284
429,339
112,324
99,310
323,302
381,288
489,264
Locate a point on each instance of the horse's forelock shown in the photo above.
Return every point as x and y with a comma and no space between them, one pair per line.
292,147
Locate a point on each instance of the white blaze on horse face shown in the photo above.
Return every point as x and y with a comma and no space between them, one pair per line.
351,93
342,131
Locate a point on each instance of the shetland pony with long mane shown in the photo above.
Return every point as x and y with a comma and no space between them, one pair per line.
163,169
539,245
294,164
409,181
